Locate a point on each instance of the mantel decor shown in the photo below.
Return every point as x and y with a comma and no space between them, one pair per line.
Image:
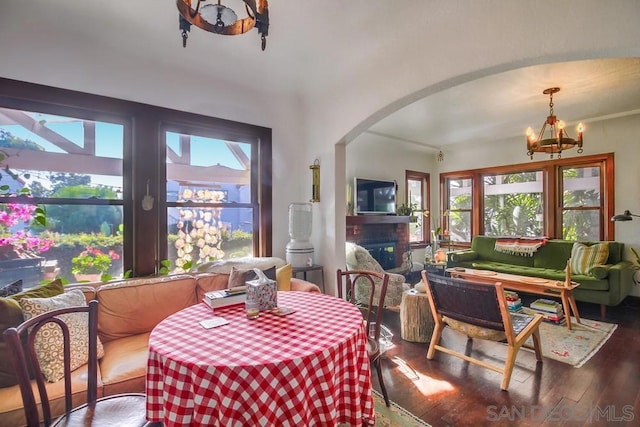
219,19
558,139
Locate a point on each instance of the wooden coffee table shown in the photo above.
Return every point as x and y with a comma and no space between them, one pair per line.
533,285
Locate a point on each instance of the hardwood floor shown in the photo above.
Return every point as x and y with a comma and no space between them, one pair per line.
447,391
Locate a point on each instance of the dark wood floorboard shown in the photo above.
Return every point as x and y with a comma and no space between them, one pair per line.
447,391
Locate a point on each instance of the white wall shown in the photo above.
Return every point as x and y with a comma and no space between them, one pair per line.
378,157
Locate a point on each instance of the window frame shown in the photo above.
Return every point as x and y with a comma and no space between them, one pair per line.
144,157
425,184
514,172
552,191
560,197
445,205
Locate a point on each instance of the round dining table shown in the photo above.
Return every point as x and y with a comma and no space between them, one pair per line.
307,368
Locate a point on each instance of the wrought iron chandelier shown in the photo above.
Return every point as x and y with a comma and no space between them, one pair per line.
558,139
219,19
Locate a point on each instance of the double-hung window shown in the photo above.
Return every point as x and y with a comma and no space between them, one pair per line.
417,185
568,198
125,187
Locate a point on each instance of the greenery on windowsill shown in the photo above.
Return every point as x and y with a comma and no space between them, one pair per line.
409,210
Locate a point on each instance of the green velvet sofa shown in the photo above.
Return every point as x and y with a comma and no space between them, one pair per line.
606,285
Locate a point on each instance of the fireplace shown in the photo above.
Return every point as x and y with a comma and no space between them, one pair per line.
384,253
385,237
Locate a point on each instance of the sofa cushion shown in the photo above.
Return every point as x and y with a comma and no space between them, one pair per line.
464,255
283,277
89,291
584,256
11,316
300,285
600,271
49,344
124,365
485,247
206,282
239,277
12,408
554,254
224,266
135,306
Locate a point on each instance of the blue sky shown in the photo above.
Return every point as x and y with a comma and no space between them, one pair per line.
109,143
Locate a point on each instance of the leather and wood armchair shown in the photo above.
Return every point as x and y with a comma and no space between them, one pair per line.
479,310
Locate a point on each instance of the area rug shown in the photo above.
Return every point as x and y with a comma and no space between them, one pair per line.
395,416
576,346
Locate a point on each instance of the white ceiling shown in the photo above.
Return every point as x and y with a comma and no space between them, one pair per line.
503,105
313,48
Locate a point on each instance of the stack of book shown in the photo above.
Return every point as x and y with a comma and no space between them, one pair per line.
550,310
225,297
514,303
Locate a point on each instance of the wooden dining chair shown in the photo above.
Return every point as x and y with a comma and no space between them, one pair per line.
479,310
116,410
371,309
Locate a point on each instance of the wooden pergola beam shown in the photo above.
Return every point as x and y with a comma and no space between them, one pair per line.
22,119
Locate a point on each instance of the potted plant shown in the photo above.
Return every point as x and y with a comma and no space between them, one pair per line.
19,249
409,210
92,263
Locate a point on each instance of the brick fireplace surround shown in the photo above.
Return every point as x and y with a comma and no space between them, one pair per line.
378,230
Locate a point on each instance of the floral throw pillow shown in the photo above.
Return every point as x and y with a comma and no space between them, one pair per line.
11,289
48,342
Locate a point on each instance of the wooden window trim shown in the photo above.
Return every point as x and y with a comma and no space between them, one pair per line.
551,188
425,178
141,246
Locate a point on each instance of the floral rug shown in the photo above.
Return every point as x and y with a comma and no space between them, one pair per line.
395,416
576,346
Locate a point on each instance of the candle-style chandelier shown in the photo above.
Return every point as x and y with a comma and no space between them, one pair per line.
558,139
219,19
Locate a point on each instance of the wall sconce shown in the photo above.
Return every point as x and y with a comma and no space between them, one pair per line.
626,216
315,178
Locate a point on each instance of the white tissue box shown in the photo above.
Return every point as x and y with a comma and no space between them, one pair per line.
265,293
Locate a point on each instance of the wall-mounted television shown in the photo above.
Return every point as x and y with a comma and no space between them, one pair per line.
373,196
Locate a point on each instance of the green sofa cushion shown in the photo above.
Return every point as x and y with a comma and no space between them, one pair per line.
485,247
554,254
459,256
11,316
600,271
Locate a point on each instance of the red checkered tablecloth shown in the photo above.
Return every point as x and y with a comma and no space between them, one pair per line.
309,368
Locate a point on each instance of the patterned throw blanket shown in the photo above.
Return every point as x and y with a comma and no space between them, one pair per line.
524,246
